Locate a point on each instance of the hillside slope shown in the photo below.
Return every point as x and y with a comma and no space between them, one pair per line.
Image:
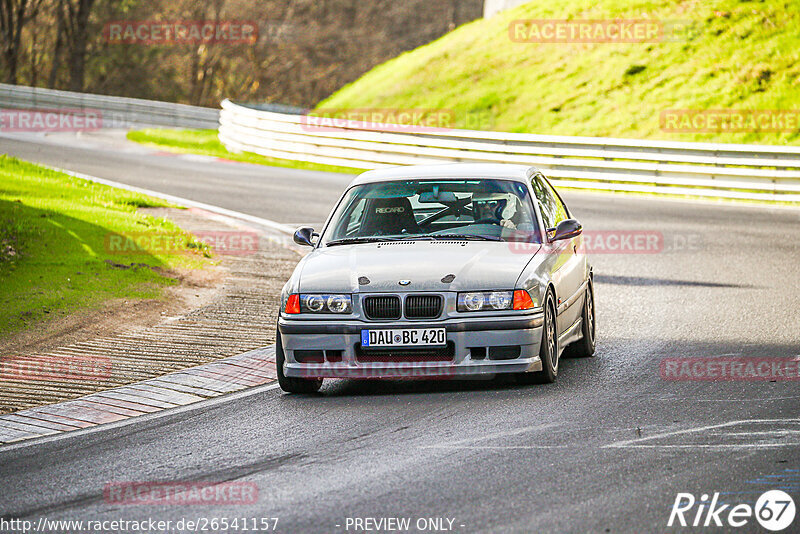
739,54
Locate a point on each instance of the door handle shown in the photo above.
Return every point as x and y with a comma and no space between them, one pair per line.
574,248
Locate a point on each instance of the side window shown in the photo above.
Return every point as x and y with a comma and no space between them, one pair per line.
559,209
545,200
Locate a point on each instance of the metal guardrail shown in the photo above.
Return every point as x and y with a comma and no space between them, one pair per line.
119,112
750,172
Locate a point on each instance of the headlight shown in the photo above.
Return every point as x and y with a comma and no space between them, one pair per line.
313,303
501,300
485,301
495,301
338,303
326,304
471,301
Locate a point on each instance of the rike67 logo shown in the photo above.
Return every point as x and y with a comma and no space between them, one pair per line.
774,510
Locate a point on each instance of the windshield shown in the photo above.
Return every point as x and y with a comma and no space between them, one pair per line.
480,209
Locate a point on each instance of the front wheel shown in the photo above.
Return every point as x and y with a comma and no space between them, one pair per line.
292,384
584,348
548,351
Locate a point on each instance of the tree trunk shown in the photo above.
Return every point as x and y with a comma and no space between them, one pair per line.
57,51
77,59
12,18
33,60
10,63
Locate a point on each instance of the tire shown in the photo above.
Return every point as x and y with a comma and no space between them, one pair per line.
584,348
548,350
291,384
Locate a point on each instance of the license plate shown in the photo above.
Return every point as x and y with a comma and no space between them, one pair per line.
406,337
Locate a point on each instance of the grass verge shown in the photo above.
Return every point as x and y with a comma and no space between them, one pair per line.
205,142
54,252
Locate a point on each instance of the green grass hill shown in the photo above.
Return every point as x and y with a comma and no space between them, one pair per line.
734,55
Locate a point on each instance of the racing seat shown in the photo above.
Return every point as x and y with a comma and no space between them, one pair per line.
389,216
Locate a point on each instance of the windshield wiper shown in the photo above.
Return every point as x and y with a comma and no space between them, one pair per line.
355,240
468,237
426,237
420,237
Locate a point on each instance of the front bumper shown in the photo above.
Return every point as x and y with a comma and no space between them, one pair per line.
343,338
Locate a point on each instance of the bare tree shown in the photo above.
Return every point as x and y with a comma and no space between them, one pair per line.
14,14
305,49
74,15
206,58
58,49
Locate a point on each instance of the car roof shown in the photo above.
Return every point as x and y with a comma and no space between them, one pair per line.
519,173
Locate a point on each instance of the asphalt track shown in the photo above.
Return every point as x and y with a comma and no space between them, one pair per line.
604,449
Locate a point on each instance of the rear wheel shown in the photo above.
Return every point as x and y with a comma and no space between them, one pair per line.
548,351
292,384
584,348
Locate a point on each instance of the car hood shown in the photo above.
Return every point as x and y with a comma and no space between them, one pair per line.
429,265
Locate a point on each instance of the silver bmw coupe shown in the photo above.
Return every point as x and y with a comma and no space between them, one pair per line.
434,272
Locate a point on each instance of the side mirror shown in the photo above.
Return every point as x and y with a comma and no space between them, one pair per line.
567,230
303,236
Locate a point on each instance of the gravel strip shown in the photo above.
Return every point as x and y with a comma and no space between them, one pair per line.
240,317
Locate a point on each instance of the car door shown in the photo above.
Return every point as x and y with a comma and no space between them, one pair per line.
567,266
